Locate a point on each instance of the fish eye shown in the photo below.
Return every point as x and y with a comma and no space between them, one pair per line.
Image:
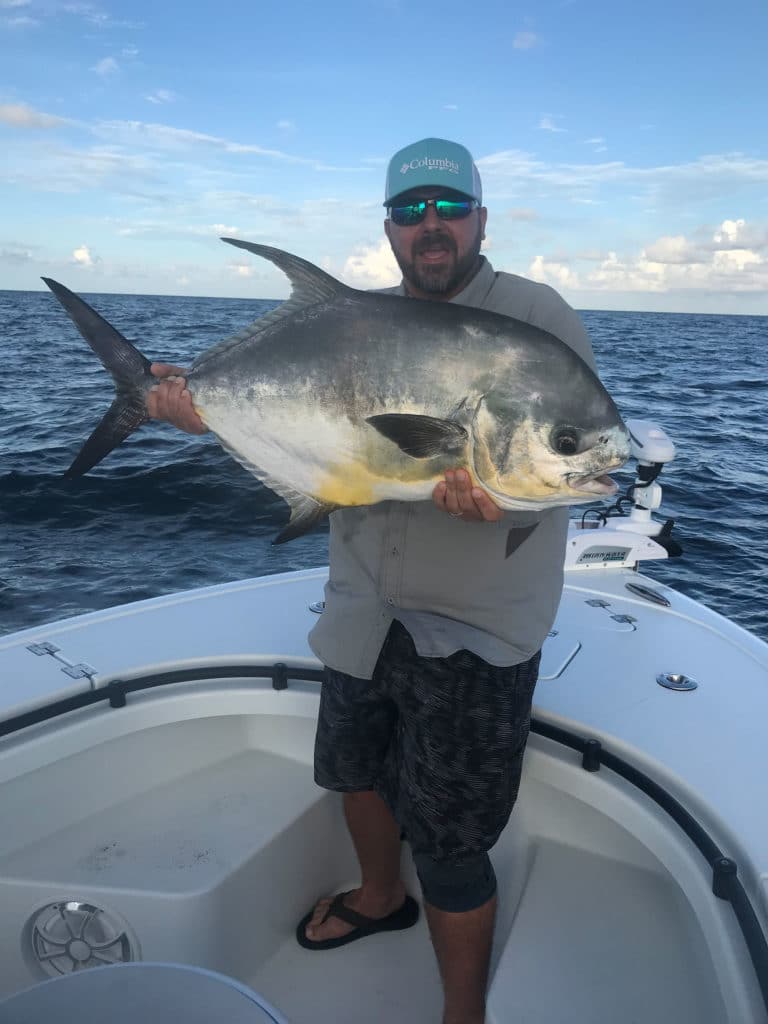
565,440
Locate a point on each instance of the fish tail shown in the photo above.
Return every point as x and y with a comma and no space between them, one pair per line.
130,372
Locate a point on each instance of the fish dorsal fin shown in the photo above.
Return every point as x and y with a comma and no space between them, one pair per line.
309,283
309,286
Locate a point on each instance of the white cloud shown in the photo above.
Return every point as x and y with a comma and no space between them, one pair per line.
170,230
672,249
286,126
13,3
161,96
371,266
547,124
51,167
84,257
713,176
242,269
525,40
15,254
730,230
94,16
165,137
105,67
22,116
19,21
739,233
713,262
450,106
552,272
741,262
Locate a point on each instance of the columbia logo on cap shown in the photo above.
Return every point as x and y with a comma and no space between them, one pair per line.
440,163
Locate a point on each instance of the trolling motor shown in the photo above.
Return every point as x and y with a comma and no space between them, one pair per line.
653,449
607,541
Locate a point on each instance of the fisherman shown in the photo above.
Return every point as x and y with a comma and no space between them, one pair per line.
434,619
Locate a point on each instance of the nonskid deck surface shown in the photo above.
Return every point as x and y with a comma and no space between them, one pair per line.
211,849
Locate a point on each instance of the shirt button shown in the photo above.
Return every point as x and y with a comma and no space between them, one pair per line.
390,600
395,552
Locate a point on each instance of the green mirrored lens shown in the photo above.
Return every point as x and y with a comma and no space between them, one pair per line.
405,216
451,209
446,209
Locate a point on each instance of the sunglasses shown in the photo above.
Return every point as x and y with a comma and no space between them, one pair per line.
446,209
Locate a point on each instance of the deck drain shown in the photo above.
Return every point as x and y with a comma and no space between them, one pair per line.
676,681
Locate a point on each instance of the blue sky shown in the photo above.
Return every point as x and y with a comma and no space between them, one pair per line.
623,146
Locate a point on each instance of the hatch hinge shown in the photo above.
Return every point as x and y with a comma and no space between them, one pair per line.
79,670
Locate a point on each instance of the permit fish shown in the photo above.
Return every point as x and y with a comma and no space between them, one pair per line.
340,397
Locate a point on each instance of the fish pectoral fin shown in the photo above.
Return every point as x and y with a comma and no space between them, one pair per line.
306,513
421,437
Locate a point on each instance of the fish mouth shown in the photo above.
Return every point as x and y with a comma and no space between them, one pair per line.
594,483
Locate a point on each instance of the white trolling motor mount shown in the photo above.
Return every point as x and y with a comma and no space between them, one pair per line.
620,539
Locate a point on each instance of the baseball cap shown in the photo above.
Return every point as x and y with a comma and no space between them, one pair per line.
433,162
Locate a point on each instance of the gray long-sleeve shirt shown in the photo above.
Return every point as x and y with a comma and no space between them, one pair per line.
451,583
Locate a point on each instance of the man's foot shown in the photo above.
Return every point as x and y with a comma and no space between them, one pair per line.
393,911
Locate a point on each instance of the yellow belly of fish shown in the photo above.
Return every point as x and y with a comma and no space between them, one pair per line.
356,483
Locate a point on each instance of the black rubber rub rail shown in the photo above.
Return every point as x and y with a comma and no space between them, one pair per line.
726,884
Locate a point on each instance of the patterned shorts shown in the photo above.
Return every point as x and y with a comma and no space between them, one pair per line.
440,739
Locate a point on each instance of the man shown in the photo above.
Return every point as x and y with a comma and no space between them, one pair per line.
432,631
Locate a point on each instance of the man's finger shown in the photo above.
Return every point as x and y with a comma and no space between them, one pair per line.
167,370
487,507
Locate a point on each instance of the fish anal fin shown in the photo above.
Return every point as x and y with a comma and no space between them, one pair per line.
306,511
421,437
305,515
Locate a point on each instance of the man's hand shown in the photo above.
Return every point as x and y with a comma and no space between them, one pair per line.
170,401
456,496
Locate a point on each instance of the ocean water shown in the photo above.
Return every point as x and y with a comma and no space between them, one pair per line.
168,511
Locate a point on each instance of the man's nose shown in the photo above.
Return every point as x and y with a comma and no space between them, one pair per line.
430,218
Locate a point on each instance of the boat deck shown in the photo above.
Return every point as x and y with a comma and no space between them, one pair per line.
214,864
191,817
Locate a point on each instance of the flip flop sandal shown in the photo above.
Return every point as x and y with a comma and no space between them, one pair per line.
404,917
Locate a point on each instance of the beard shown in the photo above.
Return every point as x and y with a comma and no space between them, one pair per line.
437,280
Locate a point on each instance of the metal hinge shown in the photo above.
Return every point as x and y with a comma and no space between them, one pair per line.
81,670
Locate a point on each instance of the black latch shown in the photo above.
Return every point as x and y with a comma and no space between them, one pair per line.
279,676
590,760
